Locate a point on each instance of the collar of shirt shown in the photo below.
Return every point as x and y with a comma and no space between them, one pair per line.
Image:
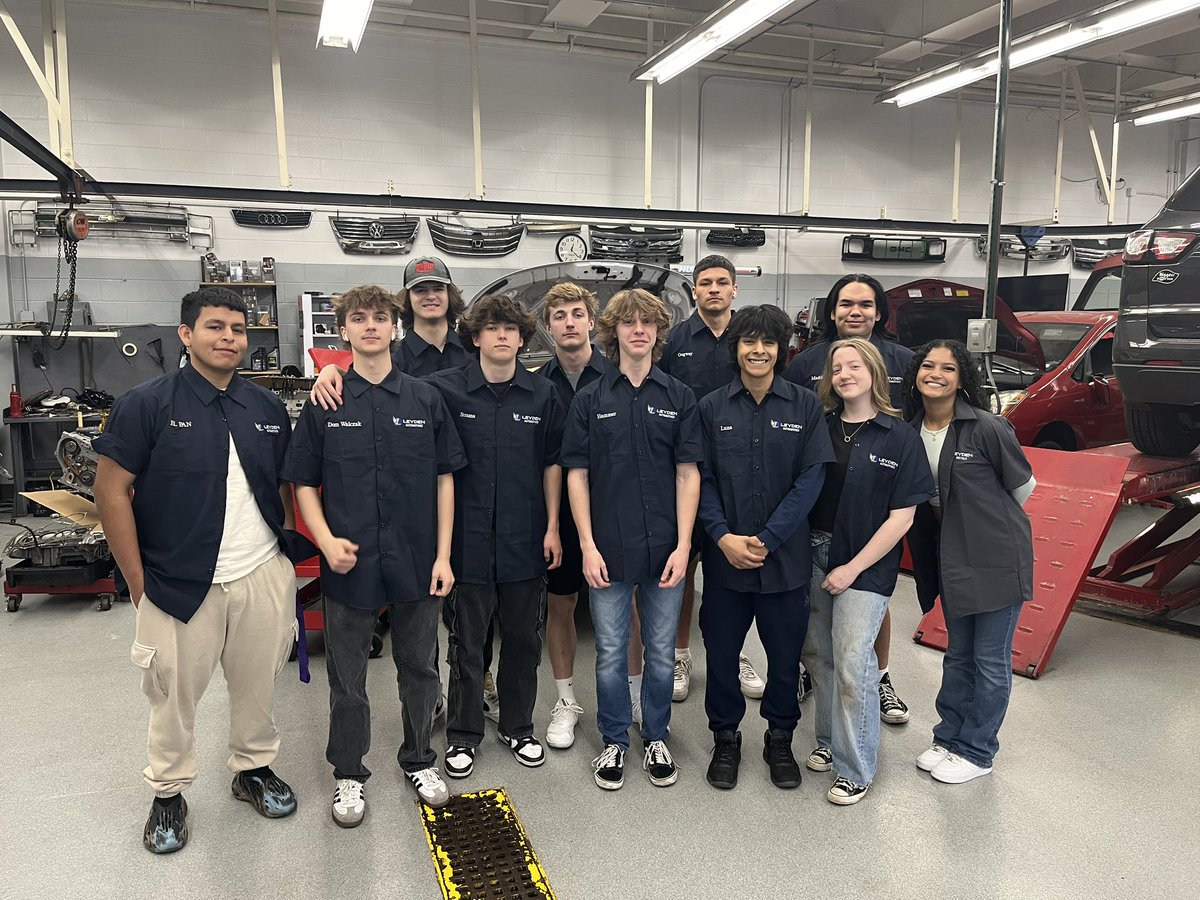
695,324
880,420
614,375
780,387
598,363
208,392
476,380
962,410
419,345
357,385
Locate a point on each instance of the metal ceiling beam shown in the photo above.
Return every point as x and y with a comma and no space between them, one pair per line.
71,184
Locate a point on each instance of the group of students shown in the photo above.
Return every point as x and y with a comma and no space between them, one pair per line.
441,481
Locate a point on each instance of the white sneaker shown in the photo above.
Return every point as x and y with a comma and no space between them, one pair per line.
956,770
349,804
931,757
752,685
683,679
491,698
563,719
429,786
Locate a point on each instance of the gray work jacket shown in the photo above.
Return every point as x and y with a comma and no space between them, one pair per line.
982,559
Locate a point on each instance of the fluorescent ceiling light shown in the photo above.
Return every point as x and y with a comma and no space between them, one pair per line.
1105,23
343,23
1163,110
724,26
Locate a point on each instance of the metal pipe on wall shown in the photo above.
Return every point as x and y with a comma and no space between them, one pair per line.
997,205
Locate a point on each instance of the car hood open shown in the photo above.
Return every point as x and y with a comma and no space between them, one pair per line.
930,308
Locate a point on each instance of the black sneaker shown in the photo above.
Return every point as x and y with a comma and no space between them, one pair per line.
525,750
845,792
806,685
777,751
265,791
166,829
726,757
610,768
658,764
891,708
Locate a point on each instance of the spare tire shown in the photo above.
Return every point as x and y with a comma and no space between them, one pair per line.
1159,430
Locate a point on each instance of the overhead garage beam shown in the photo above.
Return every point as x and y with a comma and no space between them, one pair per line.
285,178
1085,116
31,62
66,140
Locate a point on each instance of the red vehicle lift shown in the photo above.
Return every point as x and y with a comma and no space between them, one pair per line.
1173,484
1071,510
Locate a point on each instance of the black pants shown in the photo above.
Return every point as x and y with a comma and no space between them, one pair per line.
782,620
519,607
414,650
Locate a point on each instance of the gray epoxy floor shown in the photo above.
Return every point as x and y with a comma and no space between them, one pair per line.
1093,794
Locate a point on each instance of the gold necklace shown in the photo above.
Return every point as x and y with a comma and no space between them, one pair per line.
849,437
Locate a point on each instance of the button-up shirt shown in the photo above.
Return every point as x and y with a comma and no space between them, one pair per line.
805,370
378,457
697,357
415,356
630,440
887,470
499,498
172,433
553,370
762,471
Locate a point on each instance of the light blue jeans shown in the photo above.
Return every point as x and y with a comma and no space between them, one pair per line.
840,653
611,617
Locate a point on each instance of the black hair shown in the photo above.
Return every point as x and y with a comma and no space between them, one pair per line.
969,380
497,309
454,308
881,304
715,261
766,321
224,298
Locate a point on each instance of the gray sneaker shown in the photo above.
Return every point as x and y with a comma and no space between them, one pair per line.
429,786
349,803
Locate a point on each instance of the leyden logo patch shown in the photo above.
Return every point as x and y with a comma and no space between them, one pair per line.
527,420
960,456
661,413
267,427
793,427
883,461
408,423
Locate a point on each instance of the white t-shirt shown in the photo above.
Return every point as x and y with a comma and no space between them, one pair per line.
933,441
246,540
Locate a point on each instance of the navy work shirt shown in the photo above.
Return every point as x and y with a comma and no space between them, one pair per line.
553,370
809,363
499,498
630,441
758,478
697,357
378,457
887,470
415,356
172,433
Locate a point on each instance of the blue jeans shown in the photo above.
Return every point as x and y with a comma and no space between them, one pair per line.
840,654
611,616
976,683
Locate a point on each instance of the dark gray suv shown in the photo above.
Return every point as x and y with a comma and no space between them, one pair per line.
1156,358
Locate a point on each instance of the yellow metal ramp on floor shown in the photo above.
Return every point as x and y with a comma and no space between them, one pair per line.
481,851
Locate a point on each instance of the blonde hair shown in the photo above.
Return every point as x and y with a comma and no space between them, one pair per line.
626,305
881,397
569,292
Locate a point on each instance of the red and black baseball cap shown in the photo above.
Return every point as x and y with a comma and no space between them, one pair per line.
425,268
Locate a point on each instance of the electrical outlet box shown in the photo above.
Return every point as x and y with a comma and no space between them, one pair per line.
981,335
26,315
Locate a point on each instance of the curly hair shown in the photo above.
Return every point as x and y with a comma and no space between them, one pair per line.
568,292
496,309
880,389
369,297
768,322
454,309
969,379
625,305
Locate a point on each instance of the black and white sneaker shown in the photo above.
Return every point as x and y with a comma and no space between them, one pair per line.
610,768
820,760
460,760
525,750
166,828
845,792
806,686
891,708
658,764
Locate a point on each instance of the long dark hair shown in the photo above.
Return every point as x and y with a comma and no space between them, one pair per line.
969,379
829,332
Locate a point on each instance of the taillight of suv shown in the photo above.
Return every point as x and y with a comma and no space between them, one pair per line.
1148,245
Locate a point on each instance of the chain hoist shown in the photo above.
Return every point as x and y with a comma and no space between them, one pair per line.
72,227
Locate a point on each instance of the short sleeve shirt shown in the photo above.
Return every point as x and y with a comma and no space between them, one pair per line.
630,440
887,470
806,368
754,453
377,458
499,497
417,357
172,434
697,357
553,371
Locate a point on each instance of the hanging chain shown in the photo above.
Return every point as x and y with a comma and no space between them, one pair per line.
68,250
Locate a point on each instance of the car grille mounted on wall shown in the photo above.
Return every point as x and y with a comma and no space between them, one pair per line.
1086,252
376,235
117,219
736,237
272,218
465,240
1046,249
635,243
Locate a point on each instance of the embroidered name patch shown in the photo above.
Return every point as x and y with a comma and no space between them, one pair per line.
605,415
683,354
727,428
175,424
335,424
466,415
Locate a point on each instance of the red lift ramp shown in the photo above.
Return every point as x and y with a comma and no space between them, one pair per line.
1071,510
